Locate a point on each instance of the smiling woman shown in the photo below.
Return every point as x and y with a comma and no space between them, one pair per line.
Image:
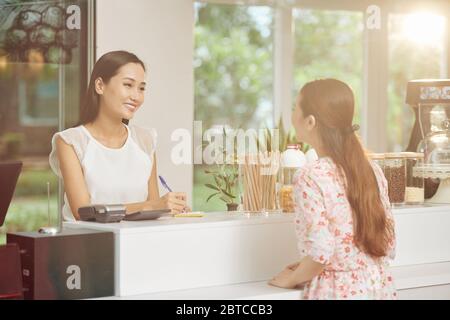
114,89
103,160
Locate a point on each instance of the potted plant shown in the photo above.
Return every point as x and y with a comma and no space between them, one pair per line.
224,186
225,181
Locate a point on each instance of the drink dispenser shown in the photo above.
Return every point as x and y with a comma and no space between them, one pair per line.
430,100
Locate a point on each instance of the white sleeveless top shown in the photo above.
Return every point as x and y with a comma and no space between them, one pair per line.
112,176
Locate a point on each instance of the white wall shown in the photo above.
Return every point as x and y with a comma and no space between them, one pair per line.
161,34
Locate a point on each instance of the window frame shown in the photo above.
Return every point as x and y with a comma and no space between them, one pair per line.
90,23
375,60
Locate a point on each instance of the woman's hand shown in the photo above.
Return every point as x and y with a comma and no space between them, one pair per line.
284,279
175,201
293,266
298,274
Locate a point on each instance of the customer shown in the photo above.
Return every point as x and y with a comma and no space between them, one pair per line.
343,221
103,160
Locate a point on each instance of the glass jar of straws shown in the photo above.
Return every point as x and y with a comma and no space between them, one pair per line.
258,174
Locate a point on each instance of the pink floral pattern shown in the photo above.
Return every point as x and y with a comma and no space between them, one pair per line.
324,228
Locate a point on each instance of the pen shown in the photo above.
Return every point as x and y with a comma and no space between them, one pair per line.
164,183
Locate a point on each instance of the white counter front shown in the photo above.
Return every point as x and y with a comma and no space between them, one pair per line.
222,249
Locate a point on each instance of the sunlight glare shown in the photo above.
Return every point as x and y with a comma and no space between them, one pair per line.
424,28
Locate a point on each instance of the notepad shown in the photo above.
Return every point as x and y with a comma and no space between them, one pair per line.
197,214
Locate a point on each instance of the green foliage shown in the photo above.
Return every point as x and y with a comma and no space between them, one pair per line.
201,192
29,207
34,183
225,181
285,138
225,176
329,44
11,143
233,65
13,137
27,214
233,72
289,137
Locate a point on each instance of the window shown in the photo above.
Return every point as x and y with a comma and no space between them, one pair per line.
329,44
233,68
235,72
38,99
416,51
43,74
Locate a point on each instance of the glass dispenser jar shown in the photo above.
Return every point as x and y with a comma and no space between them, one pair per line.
378,158
415,191
291,160
395,172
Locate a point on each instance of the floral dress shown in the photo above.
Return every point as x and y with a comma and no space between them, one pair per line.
324,228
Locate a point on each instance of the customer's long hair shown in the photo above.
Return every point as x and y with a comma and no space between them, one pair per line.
105,68
332,104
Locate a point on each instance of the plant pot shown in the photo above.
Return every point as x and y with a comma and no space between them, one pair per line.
232,206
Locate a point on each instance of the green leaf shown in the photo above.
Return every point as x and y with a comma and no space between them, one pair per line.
225,179
258,143
269,140
214,194
227,193
283,136
226,200
292,137
212,187
217,179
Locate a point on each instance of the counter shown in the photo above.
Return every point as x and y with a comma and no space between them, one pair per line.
226,249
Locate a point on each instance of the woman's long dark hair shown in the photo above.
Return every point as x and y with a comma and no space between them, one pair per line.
105,68
332,103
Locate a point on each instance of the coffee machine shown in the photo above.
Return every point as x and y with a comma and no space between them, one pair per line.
430,100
